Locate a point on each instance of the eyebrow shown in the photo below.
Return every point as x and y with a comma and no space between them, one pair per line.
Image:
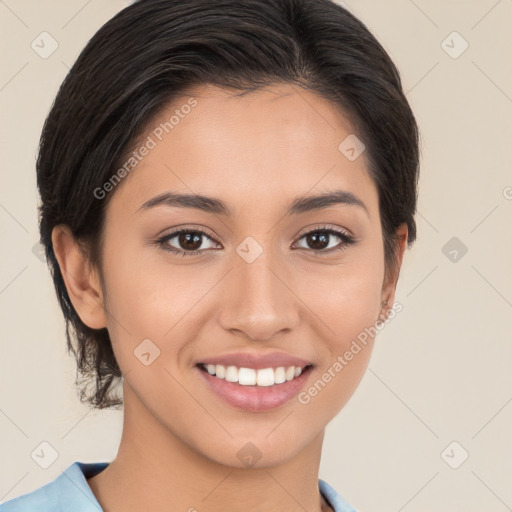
299,205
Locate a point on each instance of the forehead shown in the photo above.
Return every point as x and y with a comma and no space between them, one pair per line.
253,147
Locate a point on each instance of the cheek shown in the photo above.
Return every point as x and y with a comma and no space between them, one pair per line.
140,294
346,347
149,298
346,298
140,304
347,303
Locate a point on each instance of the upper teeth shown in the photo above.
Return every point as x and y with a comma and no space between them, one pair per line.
251,377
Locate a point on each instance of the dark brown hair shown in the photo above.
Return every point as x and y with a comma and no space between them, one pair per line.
151,52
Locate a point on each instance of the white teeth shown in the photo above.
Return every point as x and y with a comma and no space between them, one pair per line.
220,371
251,377
247,376
231,374
265,377
279,375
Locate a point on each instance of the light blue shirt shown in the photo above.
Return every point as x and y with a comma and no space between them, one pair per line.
70,492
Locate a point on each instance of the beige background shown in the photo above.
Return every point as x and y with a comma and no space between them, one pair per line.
441,370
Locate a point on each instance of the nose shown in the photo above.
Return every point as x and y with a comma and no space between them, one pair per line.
259,301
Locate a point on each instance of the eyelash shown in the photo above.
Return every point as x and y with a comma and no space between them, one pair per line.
347,240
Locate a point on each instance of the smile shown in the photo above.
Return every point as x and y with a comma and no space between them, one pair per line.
254,390
253,377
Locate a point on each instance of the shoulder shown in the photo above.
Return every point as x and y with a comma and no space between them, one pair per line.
337,502
69,489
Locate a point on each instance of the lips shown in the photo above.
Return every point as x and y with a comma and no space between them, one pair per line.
257,391
255,398
256,361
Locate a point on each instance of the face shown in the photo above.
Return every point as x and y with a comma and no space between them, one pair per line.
258,279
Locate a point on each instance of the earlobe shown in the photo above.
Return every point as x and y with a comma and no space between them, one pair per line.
82,282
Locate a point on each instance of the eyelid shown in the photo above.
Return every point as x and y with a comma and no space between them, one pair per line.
325,227
176,230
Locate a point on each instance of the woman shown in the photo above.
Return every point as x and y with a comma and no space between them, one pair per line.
227,190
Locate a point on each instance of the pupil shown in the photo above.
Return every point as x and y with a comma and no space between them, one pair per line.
318,241
187,238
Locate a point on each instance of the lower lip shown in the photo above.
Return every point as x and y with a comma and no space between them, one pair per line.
255,398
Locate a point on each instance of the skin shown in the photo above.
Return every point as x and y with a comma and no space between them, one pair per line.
257,153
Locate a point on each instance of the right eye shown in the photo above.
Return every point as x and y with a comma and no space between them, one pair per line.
188,240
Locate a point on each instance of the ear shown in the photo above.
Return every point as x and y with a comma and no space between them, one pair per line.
82,282
391,277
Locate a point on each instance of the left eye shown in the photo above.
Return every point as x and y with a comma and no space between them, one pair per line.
320,240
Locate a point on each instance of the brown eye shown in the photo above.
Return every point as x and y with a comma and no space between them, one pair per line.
186,242
324,240
318,240
189,241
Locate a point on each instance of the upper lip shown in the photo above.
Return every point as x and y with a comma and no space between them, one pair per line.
257,361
